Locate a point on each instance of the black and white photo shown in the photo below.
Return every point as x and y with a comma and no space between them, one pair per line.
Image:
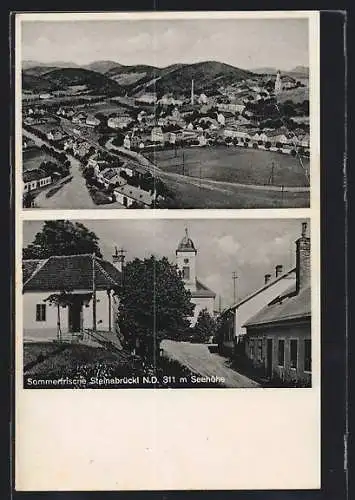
166,113
203,303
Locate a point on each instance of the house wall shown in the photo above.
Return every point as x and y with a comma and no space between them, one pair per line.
48,329
291,330
245,311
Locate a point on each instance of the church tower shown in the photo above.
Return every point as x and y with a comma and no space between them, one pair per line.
278,83
192,93
186,261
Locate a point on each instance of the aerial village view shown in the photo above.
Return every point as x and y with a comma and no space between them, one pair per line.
218,303
188,119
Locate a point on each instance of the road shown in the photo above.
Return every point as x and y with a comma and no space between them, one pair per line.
199,360
73,195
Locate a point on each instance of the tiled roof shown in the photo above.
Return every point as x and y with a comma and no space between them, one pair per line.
73,272
33,175
29,266
287,307
287,275
202,291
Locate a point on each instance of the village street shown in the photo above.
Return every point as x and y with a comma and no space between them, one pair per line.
199,360
72,195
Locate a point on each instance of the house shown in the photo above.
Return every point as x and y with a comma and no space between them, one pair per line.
186,261
278,338
127,142
127,195
65,292
202,141
231,107
119,122
35,179
221,119
91,121
203,99
79,118
55,135
157,135
248,306
235,133
45,96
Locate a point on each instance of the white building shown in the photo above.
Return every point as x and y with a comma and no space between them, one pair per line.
157,134
278,83
221,119
54,277
203,99
202,296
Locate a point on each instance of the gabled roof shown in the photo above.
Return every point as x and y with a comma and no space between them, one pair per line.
202,291
286,275
69,272
289,306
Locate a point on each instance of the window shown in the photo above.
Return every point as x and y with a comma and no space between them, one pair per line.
186,261
40,312
251,348
307,355
281,353
260,350
186,273
293,354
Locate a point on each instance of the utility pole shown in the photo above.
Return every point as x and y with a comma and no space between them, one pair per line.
93,294
220,304
234,278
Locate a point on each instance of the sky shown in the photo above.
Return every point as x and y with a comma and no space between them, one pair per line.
244,43
251,248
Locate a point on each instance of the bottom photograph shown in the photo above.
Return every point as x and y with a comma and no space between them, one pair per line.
166,303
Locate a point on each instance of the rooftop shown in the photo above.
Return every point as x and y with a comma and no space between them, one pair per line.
186,244
68,272
288,306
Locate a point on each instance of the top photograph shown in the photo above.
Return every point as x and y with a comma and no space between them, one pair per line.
154,112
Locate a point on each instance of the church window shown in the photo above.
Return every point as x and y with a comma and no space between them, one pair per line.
186,261
186,272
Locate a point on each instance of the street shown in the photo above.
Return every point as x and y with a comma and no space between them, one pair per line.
73,195
199,360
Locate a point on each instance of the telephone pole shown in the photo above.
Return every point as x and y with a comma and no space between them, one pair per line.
234,278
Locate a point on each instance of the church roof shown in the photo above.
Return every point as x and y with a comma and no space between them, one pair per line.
202,291
186,244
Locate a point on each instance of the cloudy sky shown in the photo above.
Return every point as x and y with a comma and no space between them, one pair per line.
251,248
245,43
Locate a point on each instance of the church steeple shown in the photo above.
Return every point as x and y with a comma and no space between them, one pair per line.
186,261
278,83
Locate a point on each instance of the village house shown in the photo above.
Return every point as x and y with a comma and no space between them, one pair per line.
91,121
278,338
35,179
127,195
119,122
157,135
231,107
79,118
127,142
58,295
203,99
55,135
186,261
252,303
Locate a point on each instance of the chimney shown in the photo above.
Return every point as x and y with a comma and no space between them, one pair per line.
278,270
118,259
303,259
267,278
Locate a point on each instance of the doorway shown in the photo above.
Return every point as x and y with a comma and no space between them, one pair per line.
269,358
75,316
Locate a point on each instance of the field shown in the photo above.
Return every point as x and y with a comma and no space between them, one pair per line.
234,164
296,95
106,108
33,157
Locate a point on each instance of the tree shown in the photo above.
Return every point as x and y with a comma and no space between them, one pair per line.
205,326
154,304
62,237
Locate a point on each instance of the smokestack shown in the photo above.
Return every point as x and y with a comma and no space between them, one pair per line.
192,92
303,259
278,270
267,278
118,259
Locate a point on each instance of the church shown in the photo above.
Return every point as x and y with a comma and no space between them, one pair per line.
186,261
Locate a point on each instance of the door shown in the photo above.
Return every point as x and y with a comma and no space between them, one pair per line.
75,316
269,358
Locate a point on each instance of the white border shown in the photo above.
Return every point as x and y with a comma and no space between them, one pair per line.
215,439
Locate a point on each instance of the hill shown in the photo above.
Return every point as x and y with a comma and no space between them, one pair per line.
102,66
61,78
207,76
55,64
265,71
129,76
